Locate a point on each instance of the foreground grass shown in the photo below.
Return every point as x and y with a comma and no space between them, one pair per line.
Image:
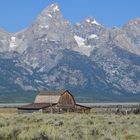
38,126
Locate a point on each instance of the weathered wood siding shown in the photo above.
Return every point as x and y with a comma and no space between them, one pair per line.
58,109
66,99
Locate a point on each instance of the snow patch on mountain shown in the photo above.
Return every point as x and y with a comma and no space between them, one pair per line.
83,48
88,20
93,36
45,26
49,15
78,24
12,43
80,41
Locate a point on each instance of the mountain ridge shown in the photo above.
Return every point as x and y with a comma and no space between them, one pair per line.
52,53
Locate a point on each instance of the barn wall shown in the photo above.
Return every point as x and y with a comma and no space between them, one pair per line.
62,109
66,99
58,109
51,109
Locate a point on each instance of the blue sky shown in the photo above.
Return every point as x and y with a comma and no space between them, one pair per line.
18,14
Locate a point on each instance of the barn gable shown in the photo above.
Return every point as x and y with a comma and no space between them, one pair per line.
66,98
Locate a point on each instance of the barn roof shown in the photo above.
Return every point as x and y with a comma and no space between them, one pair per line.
83,106
35,106
49,96
52,93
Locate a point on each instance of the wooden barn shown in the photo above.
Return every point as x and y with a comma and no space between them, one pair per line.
54,102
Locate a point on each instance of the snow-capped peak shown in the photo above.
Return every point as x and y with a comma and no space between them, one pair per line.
47,17
92,21
55,7
95,22
50,11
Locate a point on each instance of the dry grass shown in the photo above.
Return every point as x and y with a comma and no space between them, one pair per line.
8,110
38,126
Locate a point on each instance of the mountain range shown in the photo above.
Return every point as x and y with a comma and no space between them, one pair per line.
88,58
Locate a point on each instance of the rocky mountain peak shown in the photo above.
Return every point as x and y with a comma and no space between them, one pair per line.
50,19
53,7
134,22
52,11
92,21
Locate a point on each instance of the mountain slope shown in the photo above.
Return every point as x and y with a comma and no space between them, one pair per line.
85,57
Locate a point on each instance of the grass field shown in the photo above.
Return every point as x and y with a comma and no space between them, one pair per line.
69,126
